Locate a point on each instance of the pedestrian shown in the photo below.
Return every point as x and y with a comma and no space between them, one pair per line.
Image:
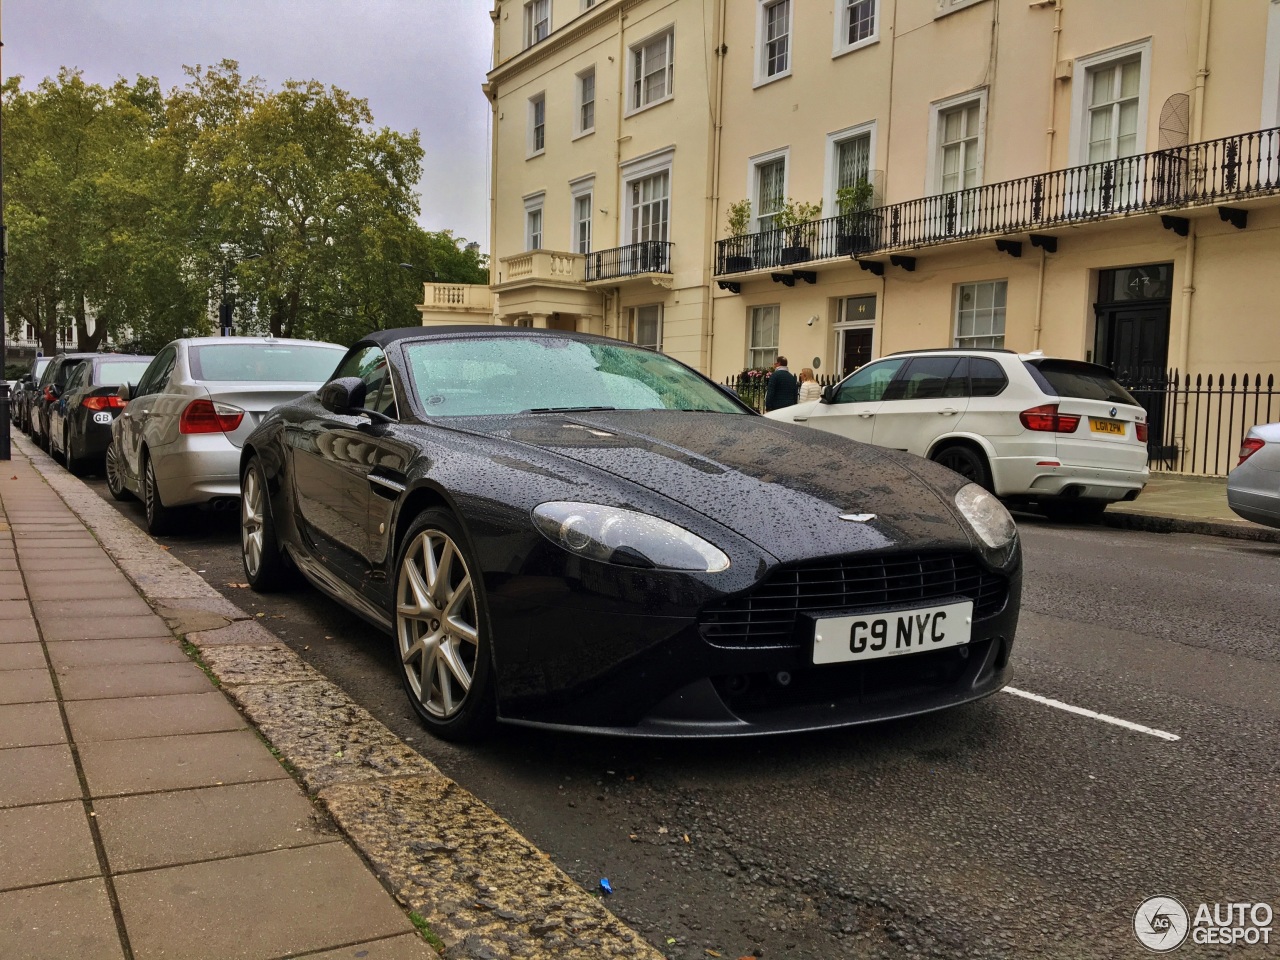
782,390
810,389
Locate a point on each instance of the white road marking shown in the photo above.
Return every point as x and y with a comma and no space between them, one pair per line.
1092,713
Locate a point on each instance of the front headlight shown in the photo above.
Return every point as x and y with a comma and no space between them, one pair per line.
990,521
615,535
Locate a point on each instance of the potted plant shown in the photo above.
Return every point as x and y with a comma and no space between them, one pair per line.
737,254
857,226
796,219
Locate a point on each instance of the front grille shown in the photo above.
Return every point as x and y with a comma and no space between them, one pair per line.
767,615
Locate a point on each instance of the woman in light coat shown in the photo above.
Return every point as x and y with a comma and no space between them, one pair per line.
810,389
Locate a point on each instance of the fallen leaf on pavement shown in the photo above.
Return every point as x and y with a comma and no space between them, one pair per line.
238,586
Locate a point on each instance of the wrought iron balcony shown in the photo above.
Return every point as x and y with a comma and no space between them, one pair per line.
647,256
1210,172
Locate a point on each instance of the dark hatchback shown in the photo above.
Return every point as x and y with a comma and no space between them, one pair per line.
569,531
80,418
51,384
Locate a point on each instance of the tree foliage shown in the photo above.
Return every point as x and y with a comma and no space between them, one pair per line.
133,213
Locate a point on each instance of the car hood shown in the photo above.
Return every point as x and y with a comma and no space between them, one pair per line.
784,487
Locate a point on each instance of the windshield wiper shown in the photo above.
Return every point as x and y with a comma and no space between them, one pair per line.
566,409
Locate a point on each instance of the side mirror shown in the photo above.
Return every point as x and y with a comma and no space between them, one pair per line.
829,394
343,396
125,392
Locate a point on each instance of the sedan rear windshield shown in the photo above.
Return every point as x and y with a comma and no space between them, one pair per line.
1079,381
264,362
489,376
112,373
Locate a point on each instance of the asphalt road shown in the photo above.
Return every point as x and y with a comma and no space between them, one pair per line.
1008,828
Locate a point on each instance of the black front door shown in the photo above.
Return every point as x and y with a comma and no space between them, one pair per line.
1132,338
857,349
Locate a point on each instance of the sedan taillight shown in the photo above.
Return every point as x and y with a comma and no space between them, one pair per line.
1249,447
102,403
209,416
1047,418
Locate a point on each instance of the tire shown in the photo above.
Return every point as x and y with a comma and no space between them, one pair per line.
266,568
1073,511
115,479
76,465
160,519
965,461
442,630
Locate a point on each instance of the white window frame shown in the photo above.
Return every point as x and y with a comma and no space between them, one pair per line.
944,7
531,21
768,351
966,342
1271,70
635,325
841,44
933,172
1079,142
533,208
538,102
581,189
635,96
753,180
834,140
659,161
762,75
580,102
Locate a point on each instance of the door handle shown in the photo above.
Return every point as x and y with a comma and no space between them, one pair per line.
866,416
948,411
799,419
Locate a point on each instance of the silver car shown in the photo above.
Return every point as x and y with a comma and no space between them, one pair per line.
1253,488
177,443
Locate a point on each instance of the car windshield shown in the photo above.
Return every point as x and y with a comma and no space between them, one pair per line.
265,362
112,373
1081,381
489,376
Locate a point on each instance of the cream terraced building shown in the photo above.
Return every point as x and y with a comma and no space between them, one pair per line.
1094,180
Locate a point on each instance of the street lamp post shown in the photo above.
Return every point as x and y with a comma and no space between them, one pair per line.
227,305
5,452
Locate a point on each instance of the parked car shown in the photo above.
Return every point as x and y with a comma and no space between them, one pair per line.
1253,487
1062,434
81,417
569,531
20,398
177,443
51,384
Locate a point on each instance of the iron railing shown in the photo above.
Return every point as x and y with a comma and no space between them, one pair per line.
1195,423
1212,171
647,256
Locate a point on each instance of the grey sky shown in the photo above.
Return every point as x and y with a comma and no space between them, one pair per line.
419,63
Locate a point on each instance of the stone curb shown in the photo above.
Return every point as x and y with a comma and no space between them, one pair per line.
485,890
1209,528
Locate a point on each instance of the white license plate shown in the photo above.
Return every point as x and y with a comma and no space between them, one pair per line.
102,417
873,635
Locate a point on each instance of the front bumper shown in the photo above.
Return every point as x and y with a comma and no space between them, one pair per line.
637,674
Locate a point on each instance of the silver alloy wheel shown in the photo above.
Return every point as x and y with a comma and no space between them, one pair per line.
437,626
115,482
251,507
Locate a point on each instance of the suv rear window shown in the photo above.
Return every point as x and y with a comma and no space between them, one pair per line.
1079,380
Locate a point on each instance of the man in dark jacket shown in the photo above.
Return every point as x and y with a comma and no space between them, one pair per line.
783,390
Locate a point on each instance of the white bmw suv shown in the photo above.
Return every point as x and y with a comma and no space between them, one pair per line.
1060,433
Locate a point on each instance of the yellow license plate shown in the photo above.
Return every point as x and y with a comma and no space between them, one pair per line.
1098,425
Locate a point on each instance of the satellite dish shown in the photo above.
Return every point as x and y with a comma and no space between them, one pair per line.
1175,118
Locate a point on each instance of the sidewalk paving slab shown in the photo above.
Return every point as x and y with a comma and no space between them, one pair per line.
116,767
134,718
65,921
48,843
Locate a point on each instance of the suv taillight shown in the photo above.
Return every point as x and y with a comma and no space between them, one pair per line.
1140,430
1249,447
208,416
1048,419
102,403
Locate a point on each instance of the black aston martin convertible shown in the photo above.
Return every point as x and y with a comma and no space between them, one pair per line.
570,531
